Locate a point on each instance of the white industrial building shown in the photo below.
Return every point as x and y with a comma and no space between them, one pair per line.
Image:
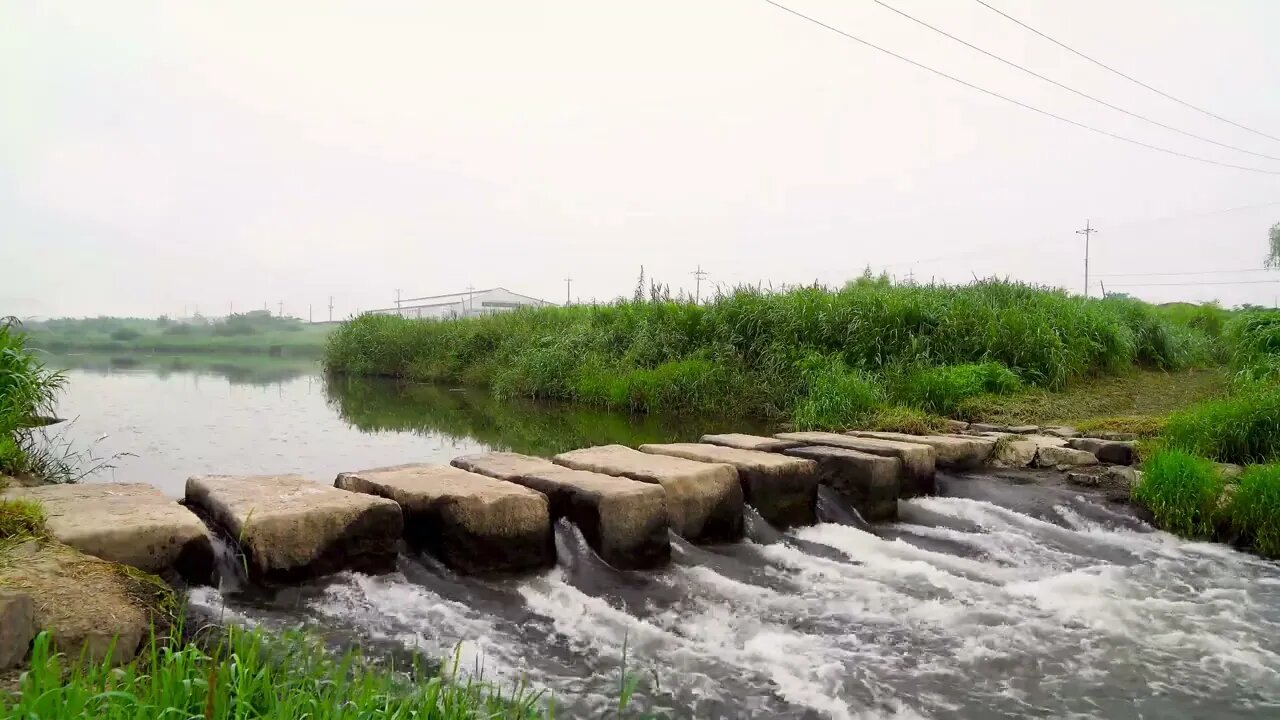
459,305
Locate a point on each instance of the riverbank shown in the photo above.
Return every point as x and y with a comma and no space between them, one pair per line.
248,333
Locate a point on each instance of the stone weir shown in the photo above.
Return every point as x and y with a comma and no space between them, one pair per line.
495,512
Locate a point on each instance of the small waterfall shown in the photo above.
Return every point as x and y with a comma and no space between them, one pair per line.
758,530
833,508
229,569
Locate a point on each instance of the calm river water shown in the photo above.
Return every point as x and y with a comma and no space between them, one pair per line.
993,600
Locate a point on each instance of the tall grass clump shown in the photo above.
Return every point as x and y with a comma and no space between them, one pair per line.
836,395
1254,339
1182,491
747,352
1242,428
1255,508
28,391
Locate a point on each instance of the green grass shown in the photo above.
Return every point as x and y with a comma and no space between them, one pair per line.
1241,428
246,674
28,392
1255,508
751,353
253,332
1182,491
20,519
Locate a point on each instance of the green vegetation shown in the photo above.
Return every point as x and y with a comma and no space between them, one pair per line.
252,332
28,392
1255,508
1241,428
246,674
20,519
1182,491
816,357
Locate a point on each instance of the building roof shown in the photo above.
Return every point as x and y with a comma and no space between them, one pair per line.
452,299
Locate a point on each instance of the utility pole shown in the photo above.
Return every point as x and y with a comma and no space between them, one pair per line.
1086,232
231,308
568,283
397,299
471,297
280,309
309,318
697,293
330,308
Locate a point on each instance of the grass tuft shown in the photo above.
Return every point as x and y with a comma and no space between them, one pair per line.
1182,491
1255,508
21,519
1242,428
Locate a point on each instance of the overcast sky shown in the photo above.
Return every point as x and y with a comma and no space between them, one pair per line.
160,155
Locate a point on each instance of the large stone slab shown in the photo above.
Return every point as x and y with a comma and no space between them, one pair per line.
1111,452
784,490
704,500
918,461
129,523
17,627
871,484
473,523
750,442
290,528
1064,457
951,451
623,520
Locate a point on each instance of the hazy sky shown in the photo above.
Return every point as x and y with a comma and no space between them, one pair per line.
162,155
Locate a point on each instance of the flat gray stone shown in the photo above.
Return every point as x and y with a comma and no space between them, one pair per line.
1061,431
290,528
871,484
1061,457
623,520
1112,452
1024,429
704,500
917,460
17,627
784,490
1014,452
1230,471
750,442
474,523
951,451
987,427
957,426
128,523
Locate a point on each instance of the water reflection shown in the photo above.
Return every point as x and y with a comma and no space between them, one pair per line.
243,369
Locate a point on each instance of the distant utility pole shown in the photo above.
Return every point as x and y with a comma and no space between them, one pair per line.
699,274
280,309
309,318
471,296
568,283
1086,232
231,308
330,308
397,298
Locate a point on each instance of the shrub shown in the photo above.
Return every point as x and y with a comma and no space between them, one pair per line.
1182,491
1255,508
125,334
1243,428
942,389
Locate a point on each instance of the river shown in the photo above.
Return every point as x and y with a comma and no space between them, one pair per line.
993,600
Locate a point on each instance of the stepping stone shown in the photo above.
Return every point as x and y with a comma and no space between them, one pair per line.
704,500
750,442
624,521
290,528
1024,429
17,627
987,427
918,460
870,483
473,523
956,426
1062,432
1060,457
784,490
1112,452
129,523
951,451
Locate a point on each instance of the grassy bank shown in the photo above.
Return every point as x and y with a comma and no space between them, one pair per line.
815,357
28,392
253,332
247,674
1184,486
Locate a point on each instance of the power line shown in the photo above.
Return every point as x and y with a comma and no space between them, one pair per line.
1182,284
1019,103
1082,94
1130,78
1188,272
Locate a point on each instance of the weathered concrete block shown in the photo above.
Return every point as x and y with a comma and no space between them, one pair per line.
950,451
17,627
750,442
1061,431
784,490
1112,452
623,520
473,523
1014,452
869,483
1024,429
987,427
290,528
129,523
1064,457
704,500
918,460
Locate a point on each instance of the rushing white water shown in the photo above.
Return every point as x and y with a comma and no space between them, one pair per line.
987,612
